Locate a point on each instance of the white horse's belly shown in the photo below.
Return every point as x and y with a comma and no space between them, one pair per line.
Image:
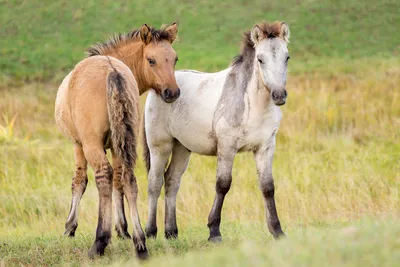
196,135
192,114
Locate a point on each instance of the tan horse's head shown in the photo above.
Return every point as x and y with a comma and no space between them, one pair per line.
159,61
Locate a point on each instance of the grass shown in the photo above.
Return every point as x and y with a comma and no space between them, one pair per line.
336,167
51,36
353,245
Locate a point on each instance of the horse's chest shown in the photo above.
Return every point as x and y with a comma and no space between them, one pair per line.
257,132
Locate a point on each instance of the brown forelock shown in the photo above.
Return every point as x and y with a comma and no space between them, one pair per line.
118,40
269,30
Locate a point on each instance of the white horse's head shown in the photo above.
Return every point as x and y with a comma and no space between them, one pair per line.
271,57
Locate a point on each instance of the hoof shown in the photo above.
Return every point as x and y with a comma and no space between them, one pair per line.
70,229
151,233
215,239
123,234
141,252
173,234
279,235
100,245
93,252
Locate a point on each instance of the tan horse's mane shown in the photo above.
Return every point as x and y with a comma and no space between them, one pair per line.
118,40
270,30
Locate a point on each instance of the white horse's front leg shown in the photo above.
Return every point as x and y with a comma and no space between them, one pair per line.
179,162
224,180
158,161
263,158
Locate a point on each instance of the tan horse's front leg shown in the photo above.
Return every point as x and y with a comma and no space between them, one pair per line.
104,175
79,183
263,158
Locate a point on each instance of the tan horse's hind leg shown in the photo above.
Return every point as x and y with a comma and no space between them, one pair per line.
121,225
127,186
79,183
131,193
104,175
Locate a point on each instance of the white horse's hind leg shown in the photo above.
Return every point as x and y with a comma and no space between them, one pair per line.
158,160
178,165
263,158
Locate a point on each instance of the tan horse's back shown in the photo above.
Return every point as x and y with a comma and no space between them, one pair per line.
81,104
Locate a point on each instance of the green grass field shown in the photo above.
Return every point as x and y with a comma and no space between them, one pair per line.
337,163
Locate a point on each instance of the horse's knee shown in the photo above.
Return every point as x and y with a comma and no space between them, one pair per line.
79,182
155,184
267,187
223,183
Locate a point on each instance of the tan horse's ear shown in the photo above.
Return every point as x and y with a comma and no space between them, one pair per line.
257,35
285,31
145,34
172,31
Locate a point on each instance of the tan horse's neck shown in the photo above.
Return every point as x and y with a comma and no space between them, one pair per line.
132,55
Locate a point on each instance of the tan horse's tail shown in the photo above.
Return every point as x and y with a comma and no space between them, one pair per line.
146,150
121,109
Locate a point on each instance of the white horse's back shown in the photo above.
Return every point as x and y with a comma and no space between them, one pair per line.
189,119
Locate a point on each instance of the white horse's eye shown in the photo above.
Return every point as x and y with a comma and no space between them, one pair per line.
260,61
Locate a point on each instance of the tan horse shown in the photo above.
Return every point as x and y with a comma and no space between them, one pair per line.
97,108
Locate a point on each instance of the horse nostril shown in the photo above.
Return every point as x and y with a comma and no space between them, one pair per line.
274,95
167,93
178,92
285,93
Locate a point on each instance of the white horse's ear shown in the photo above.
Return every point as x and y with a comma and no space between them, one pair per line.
285,32
172,31
256,35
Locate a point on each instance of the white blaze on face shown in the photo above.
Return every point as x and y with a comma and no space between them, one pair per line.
272,57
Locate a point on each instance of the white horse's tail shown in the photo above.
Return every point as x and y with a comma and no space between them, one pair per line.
146,150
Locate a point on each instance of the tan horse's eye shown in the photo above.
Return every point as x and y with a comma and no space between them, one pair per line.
152,62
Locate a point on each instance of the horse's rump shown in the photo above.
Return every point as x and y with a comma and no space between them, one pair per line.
82,100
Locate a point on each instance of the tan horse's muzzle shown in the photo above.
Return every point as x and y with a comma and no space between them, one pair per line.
170,95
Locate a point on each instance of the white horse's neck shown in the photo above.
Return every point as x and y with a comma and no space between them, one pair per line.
259,97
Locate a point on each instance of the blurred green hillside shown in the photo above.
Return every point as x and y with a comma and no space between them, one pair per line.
42,40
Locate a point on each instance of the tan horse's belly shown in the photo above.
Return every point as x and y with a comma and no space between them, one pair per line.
63,113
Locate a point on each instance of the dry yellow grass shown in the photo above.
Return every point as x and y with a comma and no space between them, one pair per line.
337,159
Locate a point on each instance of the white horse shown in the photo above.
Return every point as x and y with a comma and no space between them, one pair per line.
220,114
